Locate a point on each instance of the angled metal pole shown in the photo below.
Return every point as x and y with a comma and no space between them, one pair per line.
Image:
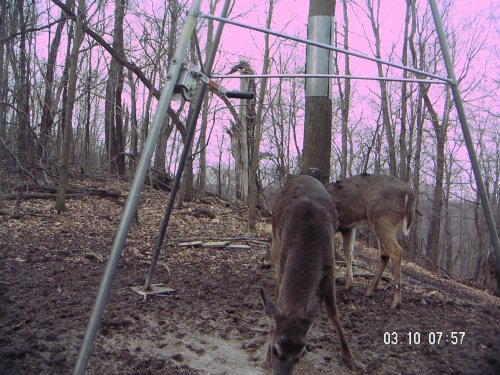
189,138
135,190
323,45
490,221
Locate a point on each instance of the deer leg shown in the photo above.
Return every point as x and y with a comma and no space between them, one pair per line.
267,361
396,256
348,236
382,263
328,293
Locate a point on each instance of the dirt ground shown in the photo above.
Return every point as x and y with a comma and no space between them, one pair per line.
51,267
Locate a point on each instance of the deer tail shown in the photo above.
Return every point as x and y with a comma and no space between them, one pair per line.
409,210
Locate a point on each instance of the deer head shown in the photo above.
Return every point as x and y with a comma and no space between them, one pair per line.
288,333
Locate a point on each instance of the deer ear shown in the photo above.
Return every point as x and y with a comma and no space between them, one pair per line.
270,307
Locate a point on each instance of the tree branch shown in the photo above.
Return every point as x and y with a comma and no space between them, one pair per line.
124,62
7,38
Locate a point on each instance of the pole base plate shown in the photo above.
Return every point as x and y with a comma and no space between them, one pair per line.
153,289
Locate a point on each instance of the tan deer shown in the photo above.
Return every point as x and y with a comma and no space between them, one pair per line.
387,205
303,226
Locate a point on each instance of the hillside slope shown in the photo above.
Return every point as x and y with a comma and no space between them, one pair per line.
51,266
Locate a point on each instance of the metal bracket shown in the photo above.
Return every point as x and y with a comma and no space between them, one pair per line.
187,81
190,75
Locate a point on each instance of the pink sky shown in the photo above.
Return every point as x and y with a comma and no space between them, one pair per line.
290,17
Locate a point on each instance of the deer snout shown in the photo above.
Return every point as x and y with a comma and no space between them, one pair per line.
285,356
282,363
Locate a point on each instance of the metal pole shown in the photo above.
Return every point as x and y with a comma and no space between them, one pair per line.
135,191
322,45
314,75
467,136
189,138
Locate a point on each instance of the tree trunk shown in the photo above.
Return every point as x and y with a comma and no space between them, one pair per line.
166,129
88,100
134,134
113,107
70,101
245,152
4,72
235,135
120,129
186,187
47,116
253,197
403,167
386,120
22,95
242,131
204,111
318,114
448,254
345,99
419,120
440,130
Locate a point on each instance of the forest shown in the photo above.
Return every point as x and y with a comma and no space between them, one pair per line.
80,82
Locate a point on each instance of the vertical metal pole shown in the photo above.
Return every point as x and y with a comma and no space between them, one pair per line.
135,191
189,138
467,136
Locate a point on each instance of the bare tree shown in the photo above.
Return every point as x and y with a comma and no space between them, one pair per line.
161,147
22,94
205,109
403,148
345,98
70,101
134,131
254,162
242,131
4,71
384,100
113,105
47,111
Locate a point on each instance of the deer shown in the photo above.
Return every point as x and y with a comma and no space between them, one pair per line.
302,251
387,205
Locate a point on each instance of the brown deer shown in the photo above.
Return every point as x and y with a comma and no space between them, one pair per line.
387,205
303,226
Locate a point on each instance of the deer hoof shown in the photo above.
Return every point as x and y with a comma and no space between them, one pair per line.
395,305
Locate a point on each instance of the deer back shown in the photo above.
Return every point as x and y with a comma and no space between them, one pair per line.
369,198
303,226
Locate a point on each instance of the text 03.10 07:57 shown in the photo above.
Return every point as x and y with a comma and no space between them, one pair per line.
431,338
